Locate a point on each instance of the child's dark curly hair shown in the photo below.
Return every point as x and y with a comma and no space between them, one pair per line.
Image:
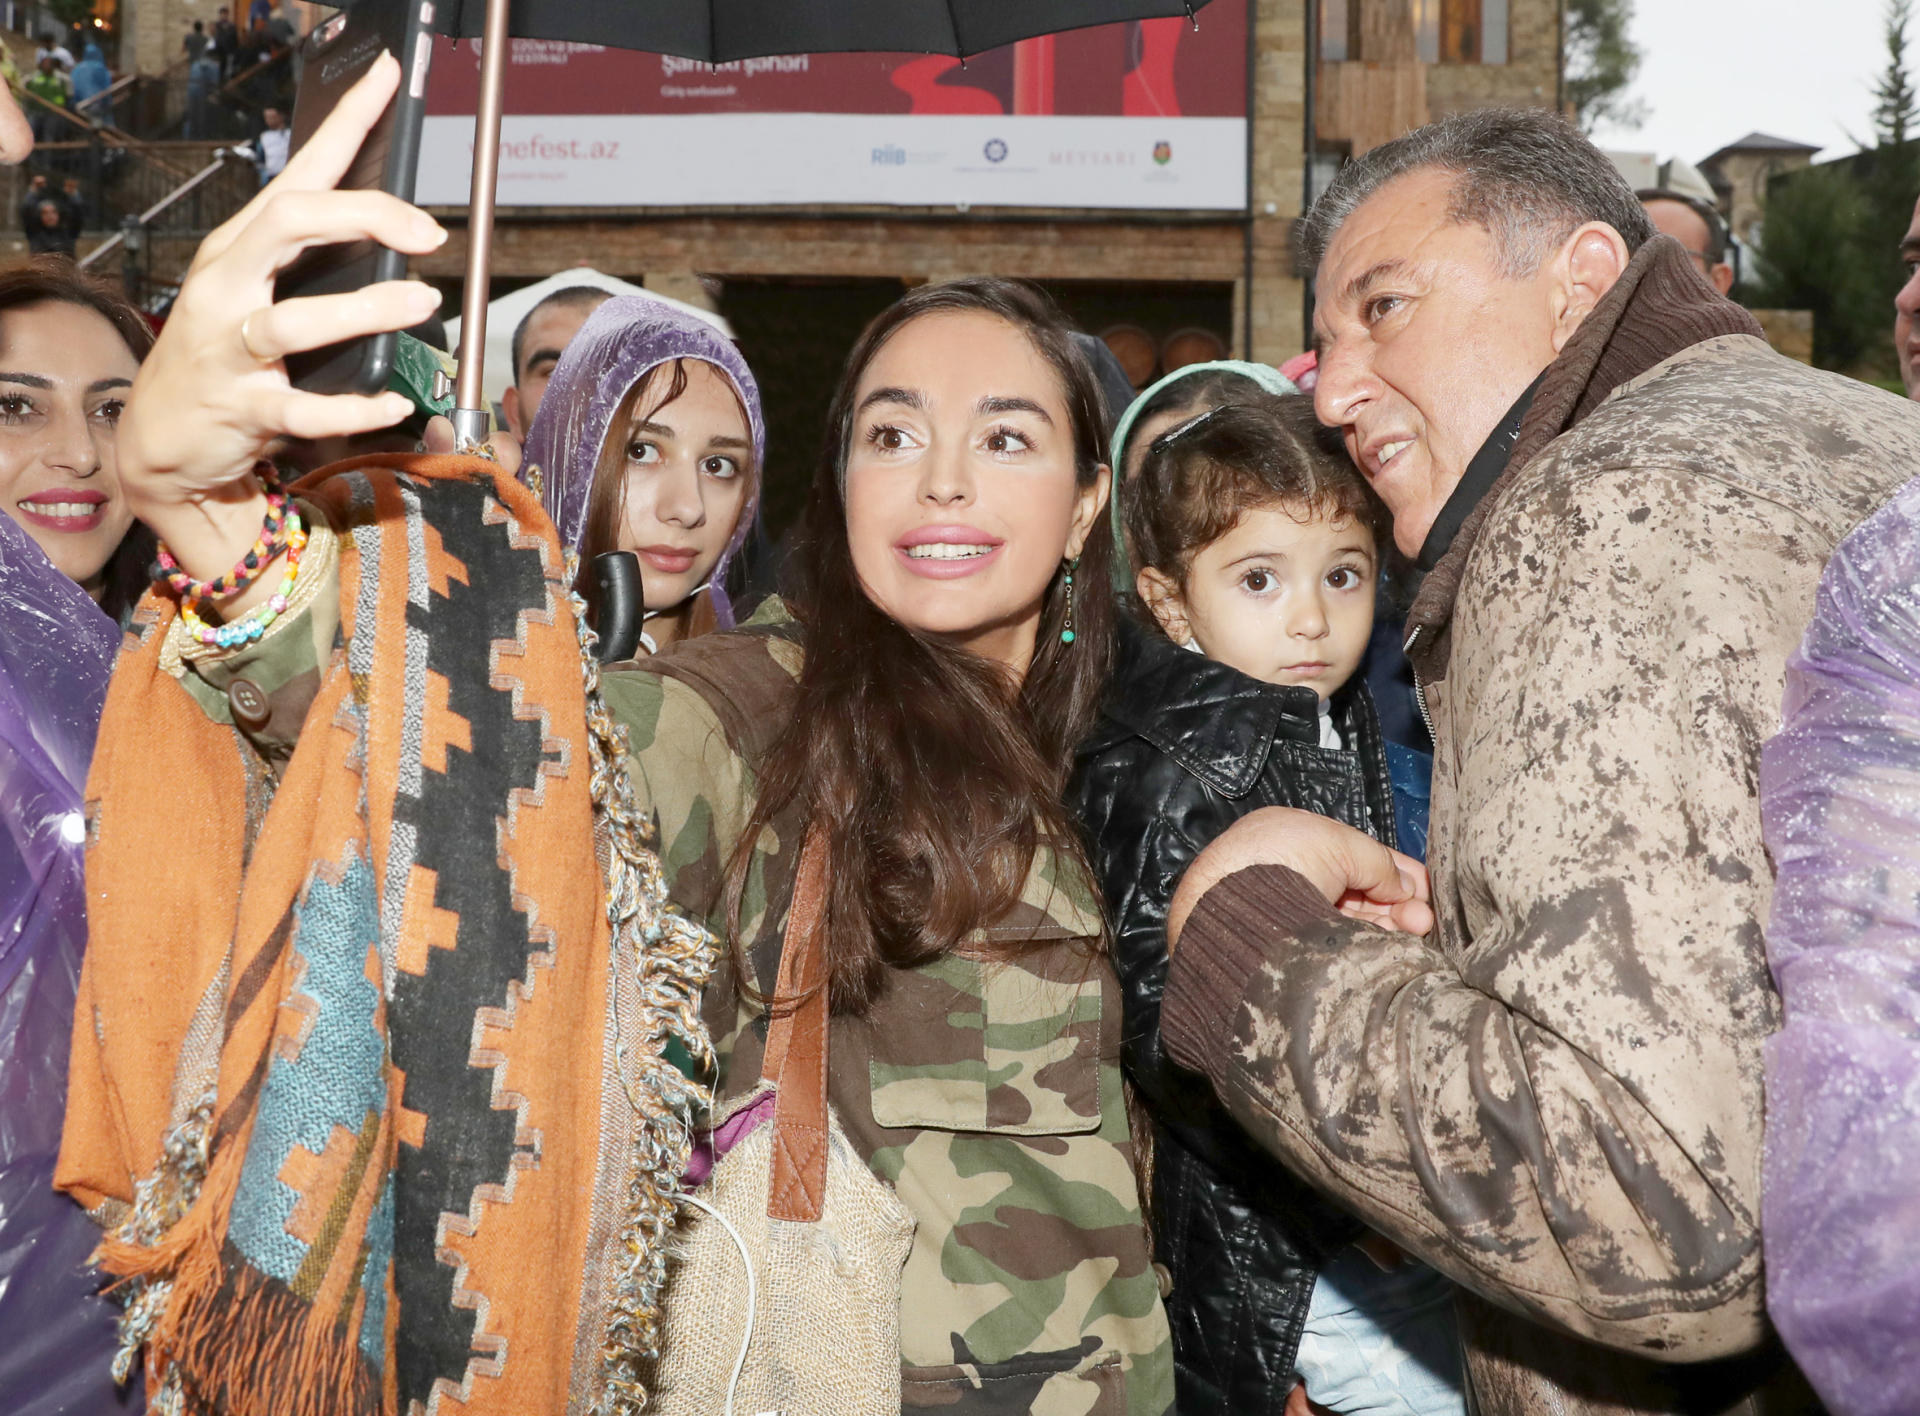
1201,477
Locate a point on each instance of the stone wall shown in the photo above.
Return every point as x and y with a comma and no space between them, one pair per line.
1274,298
1530,77
153,29
1746,174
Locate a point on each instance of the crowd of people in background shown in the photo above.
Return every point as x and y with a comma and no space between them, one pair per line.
237,83
1382,885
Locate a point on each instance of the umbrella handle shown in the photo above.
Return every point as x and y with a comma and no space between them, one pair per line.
470,417
622,605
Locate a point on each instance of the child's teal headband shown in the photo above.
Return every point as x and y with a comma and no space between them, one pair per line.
1270,379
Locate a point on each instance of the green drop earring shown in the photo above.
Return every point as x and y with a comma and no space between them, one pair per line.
1066,634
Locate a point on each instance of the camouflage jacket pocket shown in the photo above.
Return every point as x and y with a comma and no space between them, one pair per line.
992,1047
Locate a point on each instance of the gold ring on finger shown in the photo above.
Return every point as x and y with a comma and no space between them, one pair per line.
246,342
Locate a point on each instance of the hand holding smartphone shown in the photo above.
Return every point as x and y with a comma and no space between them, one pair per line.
333,58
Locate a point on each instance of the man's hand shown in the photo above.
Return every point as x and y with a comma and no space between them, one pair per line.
1354,872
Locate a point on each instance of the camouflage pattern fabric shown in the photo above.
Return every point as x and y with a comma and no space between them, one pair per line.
1555,1099
989,1095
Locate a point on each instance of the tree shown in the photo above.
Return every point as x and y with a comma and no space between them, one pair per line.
1600,60
1813,258
1896,109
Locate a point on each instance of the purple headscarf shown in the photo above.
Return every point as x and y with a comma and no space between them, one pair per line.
56,650
620,342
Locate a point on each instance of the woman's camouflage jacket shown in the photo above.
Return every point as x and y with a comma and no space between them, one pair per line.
989,1096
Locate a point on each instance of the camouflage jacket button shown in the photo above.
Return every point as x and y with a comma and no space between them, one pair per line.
251,710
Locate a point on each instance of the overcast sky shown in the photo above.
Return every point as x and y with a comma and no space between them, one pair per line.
1714,70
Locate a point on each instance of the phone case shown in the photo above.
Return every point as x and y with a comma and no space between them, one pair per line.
338,53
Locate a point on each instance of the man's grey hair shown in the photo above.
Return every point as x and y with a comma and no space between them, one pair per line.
1525,175
571,297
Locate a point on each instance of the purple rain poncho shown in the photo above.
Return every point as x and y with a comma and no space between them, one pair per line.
56,650
621,340
1840,800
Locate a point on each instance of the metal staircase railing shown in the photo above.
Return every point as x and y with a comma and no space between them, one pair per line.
132,239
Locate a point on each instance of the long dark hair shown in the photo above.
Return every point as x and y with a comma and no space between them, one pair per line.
52,278
939,775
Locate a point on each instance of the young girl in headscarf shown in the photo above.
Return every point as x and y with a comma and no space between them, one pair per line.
649,440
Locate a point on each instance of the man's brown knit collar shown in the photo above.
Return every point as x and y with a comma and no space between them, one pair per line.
1659,306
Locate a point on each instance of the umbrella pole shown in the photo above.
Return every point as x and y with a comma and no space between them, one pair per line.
470,410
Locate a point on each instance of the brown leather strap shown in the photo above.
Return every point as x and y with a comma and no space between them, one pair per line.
796,1057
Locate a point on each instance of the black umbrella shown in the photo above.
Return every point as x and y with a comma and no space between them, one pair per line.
716,32
719,31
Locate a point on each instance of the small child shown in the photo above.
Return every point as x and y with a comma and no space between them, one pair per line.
1258,547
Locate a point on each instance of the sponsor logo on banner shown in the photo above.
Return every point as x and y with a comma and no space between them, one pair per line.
893,155
995,150
1163,153
1093,157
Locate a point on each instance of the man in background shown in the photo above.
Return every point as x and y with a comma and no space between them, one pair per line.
50,45
539,340
203,82
1681,203
48,83
226,42
272,146
50,232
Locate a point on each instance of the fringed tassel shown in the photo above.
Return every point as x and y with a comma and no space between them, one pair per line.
185,1250
134,1250
218,1334
672,959
248,1346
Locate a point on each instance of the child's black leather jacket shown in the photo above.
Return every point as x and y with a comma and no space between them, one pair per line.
1184,747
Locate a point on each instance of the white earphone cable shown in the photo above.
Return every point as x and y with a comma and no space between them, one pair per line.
746,1259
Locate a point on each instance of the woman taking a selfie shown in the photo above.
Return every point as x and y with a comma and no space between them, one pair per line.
412,912
649,439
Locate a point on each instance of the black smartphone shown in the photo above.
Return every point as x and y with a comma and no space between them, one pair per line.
333,58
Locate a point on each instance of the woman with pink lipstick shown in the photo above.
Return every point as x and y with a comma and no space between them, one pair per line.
69,348
649,440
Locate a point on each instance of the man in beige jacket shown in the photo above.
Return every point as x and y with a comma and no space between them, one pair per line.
1623,500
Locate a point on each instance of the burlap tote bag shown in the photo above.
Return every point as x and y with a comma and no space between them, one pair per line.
824,1240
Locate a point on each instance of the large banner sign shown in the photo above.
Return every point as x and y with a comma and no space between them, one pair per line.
1150,114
